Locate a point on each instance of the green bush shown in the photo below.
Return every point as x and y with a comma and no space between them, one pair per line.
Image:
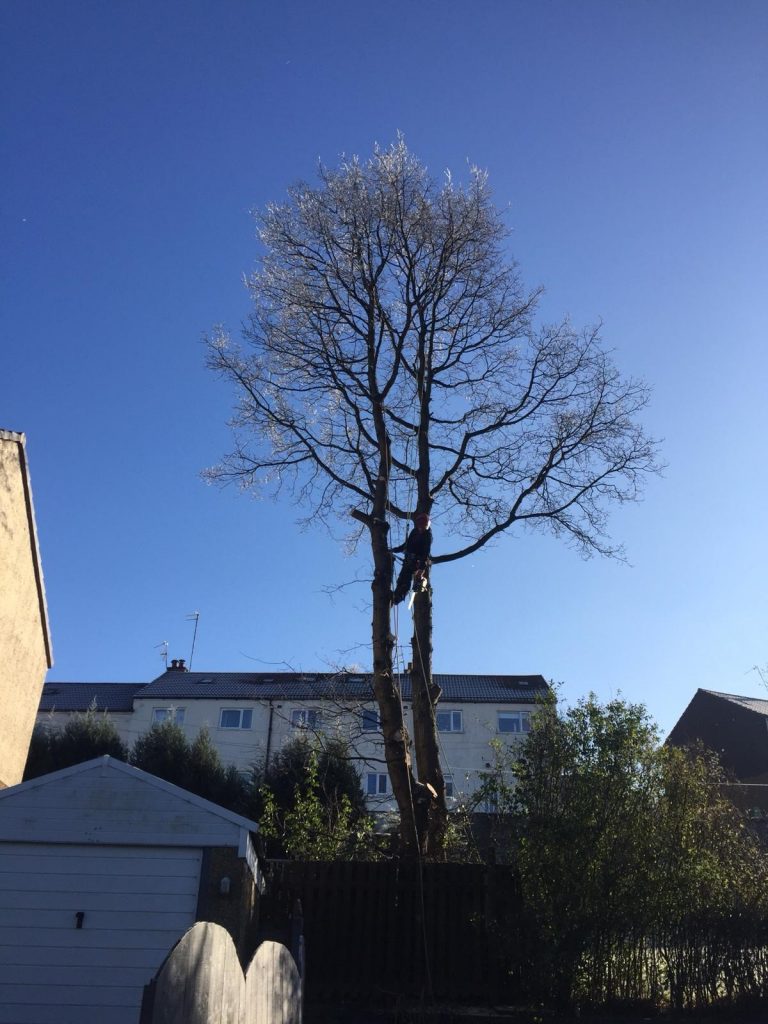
640,882
310,804
83,737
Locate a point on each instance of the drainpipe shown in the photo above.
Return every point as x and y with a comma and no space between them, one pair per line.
269,736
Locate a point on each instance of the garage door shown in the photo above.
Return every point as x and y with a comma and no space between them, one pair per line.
131,904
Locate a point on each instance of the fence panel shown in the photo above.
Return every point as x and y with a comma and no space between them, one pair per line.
272,987
202,982
390,929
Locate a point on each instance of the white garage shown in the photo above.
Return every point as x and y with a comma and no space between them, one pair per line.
100,875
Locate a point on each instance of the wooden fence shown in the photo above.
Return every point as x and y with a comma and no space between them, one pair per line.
374,931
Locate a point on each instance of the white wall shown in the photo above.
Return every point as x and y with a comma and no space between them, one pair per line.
136,904
464,755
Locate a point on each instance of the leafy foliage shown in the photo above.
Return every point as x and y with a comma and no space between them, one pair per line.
164,751
310,798
336,775
84,736
639,879
39,758
210,779
312,829
587,785
311,803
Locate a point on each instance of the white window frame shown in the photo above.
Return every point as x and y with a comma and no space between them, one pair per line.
306,718
456,723
168,714
241,713
450,789
376,784
523,718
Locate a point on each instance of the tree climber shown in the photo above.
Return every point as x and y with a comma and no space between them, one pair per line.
416,558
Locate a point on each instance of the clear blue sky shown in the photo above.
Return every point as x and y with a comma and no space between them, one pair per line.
630,142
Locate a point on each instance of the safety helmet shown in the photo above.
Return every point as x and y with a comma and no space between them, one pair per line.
421,519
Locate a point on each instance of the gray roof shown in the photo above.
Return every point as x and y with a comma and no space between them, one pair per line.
175,685
757,704
105,766
81,696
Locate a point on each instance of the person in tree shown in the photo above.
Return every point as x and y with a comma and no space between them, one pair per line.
416,558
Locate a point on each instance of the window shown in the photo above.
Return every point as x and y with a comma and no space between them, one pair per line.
236,718
168,715
449,721
306,718
514,721
371,720
376,783
448,785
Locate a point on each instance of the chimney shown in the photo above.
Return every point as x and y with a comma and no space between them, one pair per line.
177,665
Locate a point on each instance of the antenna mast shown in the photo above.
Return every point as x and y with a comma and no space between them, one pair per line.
196,617
163,652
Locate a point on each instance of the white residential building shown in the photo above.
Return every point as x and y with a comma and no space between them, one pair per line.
249,716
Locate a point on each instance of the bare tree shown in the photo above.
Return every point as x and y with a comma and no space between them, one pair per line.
393,367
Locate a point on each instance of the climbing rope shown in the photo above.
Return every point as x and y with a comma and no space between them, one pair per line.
399,689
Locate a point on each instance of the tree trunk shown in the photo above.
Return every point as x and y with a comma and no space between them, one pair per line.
407,792
425,697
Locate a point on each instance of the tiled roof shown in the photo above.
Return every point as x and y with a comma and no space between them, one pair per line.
330,686
283,686
81,696
757,704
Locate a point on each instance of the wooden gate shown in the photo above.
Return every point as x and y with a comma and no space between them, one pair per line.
201,982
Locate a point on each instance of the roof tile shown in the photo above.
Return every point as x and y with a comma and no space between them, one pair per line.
493,689
82,696
757,704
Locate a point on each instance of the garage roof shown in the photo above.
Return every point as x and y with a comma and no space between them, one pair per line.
107,801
